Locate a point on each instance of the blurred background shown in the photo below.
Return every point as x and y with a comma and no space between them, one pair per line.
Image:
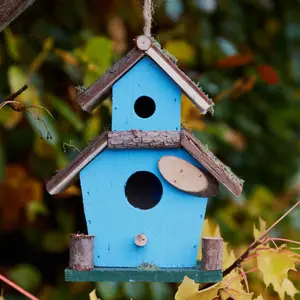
246,56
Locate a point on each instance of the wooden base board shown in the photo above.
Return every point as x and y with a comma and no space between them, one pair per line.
143,275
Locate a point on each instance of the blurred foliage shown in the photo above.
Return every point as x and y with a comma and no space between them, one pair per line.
245,54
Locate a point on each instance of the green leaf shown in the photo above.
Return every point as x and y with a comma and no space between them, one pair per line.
13,44
16,79
161,291
108,290
65,221
35,208
98,53
92,128
61,107
55,241
135,290
26,276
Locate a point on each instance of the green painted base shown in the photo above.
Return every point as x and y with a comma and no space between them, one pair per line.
143,275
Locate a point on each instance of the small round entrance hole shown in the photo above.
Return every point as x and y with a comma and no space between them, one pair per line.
143,190
144,107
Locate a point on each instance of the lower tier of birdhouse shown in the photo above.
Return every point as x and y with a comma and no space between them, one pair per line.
125,197
143,274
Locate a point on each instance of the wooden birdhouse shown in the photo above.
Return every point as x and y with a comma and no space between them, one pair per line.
146,182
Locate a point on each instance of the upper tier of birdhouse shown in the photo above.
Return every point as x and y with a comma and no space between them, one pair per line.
146,87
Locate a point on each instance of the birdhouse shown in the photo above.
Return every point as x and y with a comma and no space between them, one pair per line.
145,183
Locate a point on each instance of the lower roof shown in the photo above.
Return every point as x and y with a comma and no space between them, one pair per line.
161,139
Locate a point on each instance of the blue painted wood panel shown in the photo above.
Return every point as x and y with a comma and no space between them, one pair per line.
173,226
146,79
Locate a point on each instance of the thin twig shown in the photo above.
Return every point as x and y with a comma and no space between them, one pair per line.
279,220
18,288
41,107
291,253
245,278
231,296
283,240
257,242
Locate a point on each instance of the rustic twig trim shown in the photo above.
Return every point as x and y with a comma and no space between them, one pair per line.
143,139
212,253
81,252
11,9
211,163
65,177
101,89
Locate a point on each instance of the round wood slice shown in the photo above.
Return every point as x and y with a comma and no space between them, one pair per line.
183,175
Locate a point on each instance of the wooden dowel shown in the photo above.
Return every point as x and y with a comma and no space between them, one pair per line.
81,252
212,253
141,240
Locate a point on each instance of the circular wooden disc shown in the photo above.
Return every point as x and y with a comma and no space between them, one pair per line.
143,42
182,175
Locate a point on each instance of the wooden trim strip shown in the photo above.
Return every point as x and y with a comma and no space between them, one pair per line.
211,163
189,88
65,177
11,9
101,88
143,139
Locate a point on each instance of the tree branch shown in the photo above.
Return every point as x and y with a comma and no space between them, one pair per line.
11,9
10,100
261,240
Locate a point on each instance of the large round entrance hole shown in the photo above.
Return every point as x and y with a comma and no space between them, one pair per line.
144,107
143,190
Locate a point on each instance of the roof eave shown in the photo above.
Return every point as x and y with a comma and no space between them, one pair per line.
89,99
64,178
211,163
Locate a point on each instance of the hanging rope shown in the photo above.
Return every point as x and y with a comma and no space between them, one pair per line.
148,13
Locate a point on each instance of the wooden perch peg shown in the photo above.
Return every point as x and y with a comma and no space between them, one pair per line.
81,252
187,177
141,240
212,253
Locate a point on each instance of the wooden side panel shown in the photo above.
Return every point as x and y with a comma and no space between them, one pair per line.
146,79
65,177
11,9
211,163
173,227
101,88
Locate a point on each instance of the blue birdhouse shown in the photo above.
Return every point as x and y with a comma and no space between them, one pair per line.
145,183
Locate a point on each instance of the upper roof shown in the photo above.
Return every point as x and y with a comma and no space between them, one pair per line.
145,46
185,139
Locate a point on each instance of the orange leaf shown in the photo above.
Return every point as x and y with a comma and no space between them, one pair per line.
236,60
268,74
16,190
68,57
71,191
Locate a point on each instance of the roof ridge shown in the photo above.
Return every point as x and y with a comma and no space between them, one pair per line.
102,87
